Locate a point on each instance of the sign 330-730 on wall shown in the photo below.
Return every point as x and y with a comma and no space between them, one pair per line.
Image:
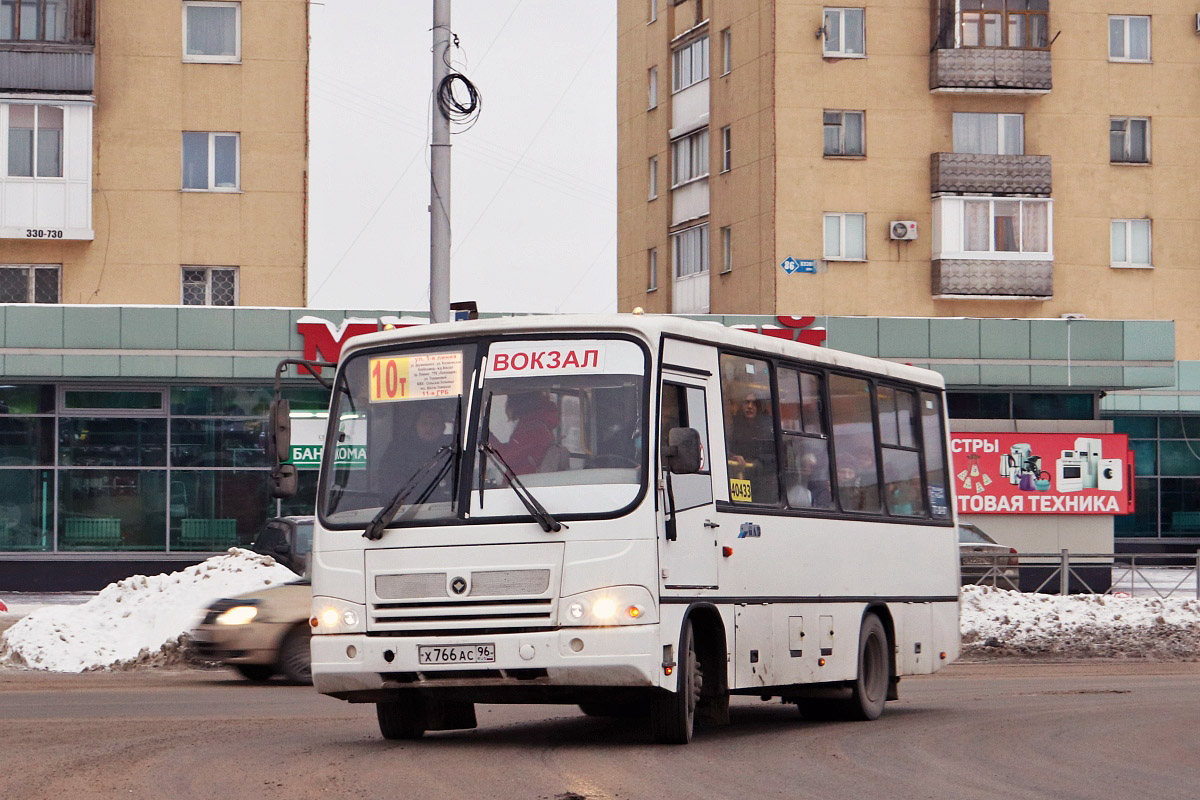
1043,473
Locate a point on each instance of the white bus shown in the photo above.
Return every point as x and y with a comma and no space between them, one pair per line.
640,515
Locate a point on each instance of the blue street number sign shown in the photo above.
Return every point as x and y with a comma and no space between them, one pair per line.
792,265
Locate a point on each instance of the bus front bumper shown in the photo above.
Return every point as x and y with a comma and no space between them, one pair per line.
357,666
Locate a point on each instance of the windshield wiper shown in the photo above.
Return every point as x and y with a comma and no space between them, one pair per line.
374,529
536,510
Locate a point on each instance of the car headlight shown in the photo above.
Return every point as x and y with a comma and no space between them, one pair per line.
238,615
616,605
331,615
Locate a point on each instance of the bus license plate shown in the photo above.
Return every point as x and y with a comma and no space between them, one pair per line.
457,654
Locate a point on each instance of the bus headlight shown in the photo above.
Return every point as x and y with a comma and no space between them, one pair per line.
617,605
331,615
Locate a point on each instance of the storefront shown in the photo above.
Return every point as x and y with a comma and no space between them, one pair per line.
131,438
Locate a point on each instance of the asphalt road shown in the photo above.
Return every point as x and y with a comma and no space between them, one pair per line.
1087,730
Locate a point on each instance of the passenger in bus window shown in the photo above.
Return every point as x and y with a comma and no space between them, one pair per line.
806,476
857,483
536,417
621,442
751,448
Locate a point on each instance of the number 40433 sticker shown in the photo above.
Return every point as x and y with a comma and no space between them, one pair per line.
739,491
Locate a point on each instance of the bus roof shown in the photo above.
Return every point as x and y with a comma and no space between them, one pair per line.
652,328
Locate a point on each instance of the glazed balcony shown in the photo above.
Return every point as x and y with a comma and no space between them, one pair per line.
997,47
47,47
972,173
993,278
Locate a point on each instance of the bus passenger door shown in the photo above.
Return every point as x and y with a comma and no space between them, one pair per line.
691,559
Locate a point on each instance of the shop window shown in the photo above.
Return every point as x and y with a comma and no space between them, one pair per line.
749,430
113,400
26,509
111,509
27,399
1051,405
212,32
214,510
1136,427
227,401
26,442
112,442
1144,521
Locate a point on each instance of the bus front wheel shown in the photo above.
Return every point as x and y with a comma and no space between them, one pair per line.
673,714
405,718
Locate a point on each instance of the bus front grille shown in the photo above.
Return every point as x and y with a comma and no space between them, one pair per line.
532,613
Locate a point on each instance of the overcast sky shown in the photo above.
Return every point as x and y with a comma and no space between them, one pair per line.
533,203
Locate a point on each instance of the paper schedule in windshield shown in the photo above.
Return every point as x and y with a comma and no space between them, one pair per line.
418,377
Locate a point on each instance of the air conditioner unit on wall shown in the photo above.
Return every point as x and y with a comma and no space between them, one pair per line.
903,230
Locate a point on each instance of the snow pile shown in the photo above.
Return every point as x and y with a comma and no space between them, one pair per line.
137,621
1001,622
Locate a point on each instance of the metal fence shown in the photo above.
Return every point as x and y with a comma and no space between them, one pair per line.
1120,574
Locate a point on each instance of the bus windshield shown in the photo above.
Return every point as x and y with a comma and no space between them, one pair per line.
566,417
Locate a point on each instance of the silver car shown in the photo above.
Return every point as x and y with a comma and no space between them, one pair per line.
266,632
985,561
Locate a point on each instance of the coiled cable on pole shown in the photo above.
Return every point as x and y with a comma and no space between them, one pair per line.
460,110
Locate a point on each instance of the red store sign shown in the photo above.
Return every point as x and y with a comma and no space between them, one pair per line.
1042,473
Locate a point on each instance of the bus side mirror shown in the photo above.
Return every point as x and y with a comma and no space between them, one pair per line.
283,481
279,431
681,456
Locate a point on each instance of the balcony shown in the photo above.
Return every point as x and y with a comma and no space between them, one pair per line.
50,51
993,278
990,69
971,173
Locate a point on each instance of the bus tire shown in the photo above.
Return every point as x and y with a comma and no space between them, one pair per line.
870,688
255,672
403,718
673,714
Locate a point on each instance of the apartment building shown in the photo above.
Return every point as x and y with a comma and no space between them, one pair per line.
153,153
1027,163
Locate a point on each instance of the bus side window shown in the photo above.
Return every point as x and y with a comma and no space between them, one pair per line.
854,444
749,430
806,478
685,407
901,457
934,438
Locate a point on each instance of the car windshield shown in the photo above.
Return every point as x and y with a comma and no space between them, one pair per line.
566,415
973,536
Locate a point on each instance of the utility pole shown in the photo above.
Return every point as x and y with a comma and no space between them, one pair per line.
439,169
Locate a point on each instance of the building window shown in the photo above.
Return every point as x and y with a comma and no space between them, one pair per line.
690,251
726,51
35,141
211,161
846,237
689,157
1021,24
1131,243
209,286
44,20
726,149
1129,140
690,64
653,177
1128,38
29,283
652,88
844,133
845,32
212,32
1006,226
989,134
652,269
726,249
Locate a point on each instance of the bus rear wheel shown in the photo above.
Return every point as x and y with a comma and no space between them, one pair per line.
673,714
404,718
870,688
